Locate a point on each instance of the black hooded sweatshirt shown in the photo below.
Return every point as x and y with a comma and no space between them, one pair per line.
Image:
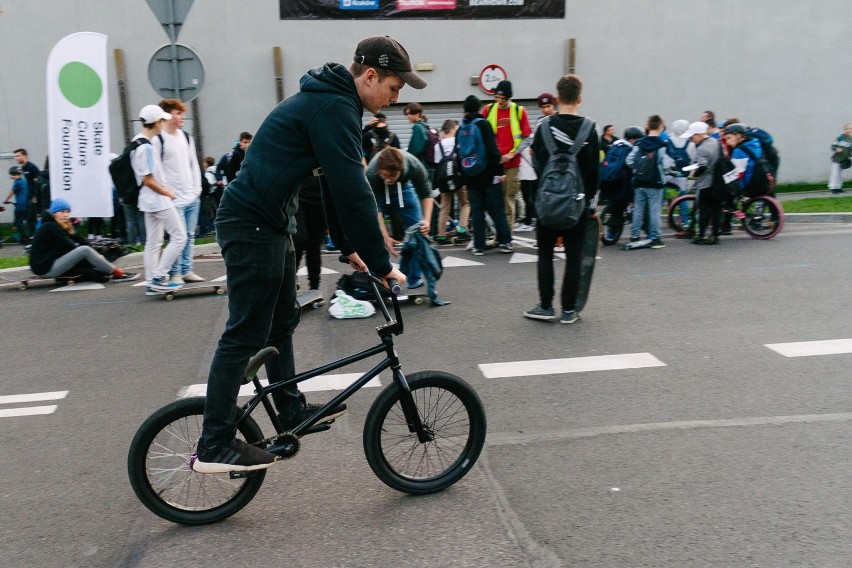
320,126
50,242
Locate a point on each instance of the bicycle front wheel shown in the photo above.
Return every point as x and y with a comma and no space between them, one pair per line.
158,466
764,217
682,213
452,415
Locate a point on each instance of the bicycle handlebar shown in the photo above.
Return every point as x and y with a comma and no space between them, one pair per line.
395,325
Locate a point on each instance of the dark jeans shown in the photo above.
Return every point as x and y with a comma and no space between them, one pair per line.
529,189
22,223
710,210
488,199
310,220
261,269
573,239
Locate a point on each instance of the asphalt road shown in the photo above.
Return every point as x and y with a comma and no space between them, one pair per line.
708,448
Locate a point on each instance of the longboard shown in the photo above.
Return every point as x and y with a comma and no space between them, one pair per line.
591,236
217,288
313,298
645,243
24,282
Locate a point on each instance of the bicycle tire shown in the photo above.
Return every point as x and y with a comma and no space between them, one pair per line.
444,401
767,224
675,218
174,431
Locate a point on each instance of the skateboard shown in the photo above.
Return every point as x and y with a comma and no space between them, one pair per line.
24,282
312,298
591,238
217,288
643,244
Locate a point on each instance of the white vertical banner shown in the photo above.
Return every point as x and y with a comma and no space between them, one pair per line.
78,124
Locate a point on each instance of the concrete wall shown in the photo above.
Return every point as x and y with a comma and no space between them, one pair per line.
780,64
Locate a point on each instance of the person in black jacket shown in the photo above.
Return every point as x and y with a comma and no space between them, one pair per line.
316,130
235,160
59,251
485,190
565,126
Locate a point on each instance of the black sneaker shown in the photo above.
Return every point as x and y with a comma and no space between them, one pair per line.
569,317
126,277
657,243
308,411
236,455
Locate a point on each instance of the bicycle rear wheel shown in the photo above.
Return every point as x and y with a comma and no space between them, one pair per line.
158,466
764,217
682,212
452,414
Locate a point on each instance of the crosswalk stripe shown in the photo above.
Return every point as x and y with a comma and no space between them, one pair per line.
80,287
452,262
33,397
810,348
317,384
569,365
28,411
323,270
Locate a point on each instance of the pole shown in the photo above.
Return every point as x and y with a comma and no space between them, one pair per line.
121,74
279,73
571,56
196,130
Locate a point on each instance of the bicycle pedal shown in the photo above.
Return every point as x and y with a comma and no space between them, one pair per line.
318,428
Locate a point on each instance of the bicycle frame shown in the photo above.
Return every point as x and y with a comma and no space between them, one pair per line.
393,326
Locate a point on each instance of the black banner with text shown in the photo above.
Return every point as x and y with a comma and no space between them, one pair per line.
420,9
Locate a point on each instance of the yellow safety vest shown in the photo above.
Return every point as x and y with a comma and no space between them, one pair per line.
514,121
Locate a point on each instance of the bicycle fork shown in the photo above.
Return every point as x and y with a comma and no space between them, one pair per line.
406,399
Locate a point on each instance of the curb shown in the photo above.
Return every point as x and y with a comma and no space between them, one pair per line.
818,217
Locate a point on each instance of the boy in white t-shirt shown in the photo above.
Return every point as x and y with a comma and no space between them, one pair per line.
156,201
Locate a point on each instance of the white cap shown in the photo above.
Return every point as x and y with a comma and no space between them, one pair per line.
153,113
695,128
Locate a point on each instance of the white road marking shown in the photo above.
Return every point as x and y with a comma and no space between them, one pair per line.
80,287
317,384
304,271
33,397
810,348
569,365
220,279
510,438
28,411
453,262
520,257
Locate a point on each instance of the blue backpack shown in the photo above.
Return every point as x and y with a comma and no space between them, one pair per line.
471,148
679,155
614,164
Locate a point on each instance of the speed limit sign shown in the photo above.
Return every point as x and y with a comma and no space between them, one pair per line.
490,76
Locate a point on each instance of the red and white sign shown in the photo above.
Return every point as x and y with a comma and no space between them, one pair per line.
490,76
425,4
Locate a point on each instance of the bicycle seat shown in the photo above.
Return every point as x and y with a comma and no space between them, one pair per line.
255,363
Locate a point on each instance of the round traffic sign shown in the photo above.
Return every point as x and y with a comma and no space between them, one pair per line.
490,76
175,71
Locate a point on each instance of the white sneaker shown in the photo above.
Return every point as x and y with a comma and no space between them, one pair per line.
192,277
176,279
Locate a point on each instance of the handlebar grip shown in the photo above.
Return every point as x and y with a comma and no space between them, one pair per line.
394,286
343,259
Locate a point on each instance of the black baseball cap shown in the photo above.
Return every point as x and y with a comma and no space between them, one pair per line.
384,52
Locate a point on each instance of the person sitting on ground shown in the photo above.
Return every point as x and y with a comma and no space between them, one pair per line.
59,251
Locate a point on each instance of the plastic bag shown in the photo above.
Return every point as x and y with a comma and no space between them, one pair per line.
344,306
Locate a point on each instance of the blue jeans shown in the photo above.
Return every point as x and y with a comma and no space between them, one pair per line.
488,199
189,214
651,200
135,221
409,212
261,270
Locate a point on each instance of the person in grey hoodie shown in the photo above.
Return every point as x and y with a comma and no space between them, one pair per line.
317,128
710,197
649,162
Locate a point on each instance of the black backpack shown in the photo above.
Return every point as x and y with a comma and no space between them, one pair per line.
447,177
357,285
123,178
205,185
725,175
561,199
646,168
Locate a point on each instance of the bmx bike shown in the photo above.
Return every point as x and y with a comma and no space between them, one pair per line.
762,217
422,434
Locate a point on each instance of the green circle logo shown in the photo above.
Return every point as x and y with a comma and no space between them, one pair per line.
80,84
